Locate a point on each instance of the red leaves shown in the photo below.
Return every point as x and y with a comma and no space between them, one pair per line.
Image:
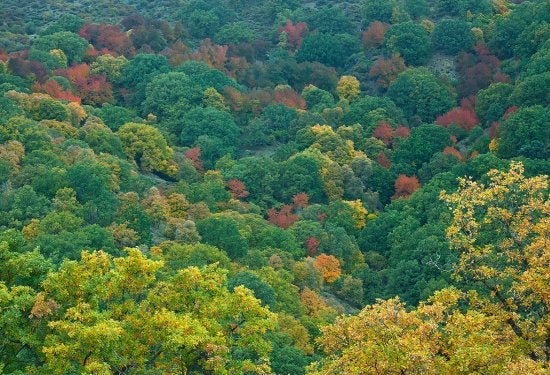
465,118
405,186
282,218
194,154
295,34
386,134
383,132
385,71
108,39
374,35
312,246
300,200
383,160
237,189
93,89
453,151
478,72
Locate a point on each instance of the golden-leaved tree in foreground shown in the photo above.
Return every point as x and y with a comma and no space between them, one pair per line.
498,324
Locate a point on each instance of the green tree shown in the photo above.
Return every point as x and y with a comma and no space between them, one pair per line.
452,36
420,95
410,40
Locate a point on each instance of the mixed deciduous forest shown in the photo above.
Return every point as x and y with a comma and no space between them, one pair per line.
274,187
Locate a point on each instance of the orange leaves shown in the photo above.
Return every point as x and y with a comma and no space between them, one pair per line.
286,95
453,151
93,89
405,186
329,267
55,90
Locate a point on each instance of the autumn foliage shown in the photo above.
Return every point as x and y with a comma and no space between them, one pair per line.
329,267
374,35
283,218
405,186
384,71
294,34
237,189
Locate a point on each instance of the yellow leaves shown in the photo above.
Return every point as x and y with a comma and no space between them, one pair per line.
12,152
348,88
359,213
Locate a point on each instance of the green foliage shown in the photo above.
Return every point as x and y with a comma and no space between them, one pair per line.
420,95
223,232
332,50
526,133
452,36
410,40
70,43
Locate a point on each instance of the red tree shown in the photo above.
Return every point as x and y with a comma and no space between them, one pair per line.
385,71
453,151
55,90
287,96
374,35
300,200
383,160
383,132
282,218
295,34
237,189
405,186
402,132
465,118
108,39
194,154
312,246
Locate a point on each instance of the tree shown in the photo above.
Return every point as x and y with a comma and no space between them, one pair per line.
500,231
421,95
168,94
377,10
374,35
332,50
223,232
294,34
405,186
410,40
387,70
348,88
262,290
526,133
72,45
147,147
329,267
452,36
211,122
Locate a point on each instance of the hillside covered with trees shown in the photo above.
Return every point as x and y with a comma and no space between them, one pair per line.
275,187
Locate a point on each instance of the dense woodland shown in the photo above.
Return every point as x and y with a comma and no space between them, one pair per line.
274,187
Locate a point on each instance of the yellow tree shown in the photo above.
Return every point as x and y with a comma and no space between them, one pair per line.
502,231
348,88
